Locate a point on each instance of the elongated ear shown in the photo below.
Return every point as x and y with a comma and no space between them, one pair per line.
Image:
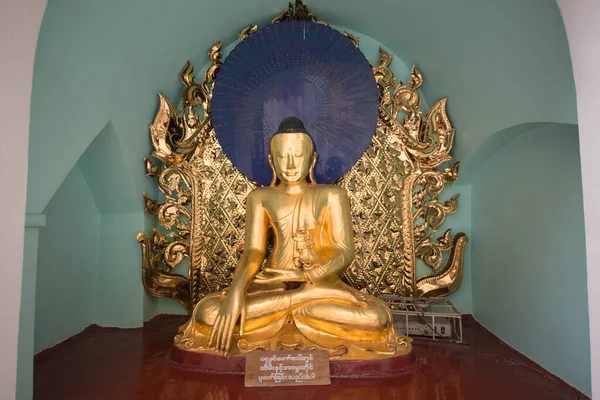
311,172
274,178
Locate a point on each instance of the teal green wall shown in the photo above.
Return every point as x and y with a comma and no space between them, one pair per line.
94,93
95,75
89,260
119,294
90,80
67,263
528,250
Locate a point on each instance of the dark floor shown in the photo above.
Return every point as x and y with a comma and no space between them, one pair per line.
113,364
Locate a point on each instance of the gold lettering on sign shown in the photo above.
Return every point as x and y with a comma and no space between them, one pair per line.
287,368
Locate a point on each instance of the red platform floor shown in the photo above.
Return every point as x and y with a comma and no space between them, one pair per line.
114,364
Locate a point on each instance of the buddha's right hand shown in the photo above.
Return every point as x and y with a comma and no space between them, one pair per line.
232,309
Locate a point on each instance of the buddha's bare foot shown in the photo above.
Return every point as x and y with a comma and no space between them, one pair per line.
361,298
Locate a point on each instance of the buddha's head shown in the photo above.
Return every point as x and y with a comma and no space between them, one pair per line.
292,156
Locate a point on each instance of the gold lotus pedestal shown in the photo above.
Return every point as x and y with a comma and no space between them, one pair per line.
299,265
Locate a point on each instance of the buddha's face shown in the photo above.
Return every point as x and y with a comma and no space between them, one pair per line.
291,155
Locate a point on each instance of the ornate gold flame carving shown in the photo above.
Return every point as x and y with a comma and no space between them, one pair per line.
354,39
394,192
297,12
393,189
247,31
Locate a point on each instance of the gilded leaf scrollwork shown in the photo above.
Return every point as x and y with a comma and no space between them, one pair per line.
177,137
394,190
297,11
426,142
247,31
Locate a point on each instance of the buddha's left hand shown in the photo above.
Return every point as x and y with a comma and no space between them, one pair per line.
274,275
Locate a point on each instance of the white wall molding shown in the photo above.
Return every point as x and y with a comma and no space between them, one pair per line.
19,28
35,220
583,32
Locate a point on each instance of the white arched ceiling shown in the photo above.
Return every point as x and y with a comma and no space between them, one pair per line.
581,21
19,27
101,61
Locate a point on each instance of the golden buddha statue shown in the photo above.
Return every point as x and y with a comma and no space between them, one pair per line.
298,300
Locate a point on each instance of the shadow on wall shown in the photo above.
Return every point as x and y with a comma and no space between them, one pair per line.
88,264
490,147
528,254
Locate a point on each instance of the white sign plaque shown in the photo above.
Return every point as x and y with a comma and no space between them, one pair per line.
287,368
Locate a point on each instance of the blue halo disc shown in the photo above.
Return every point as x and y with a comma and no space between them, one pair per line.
302,69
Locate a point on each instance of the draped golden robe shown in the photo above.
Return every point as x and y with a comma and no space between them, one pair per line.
311,228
